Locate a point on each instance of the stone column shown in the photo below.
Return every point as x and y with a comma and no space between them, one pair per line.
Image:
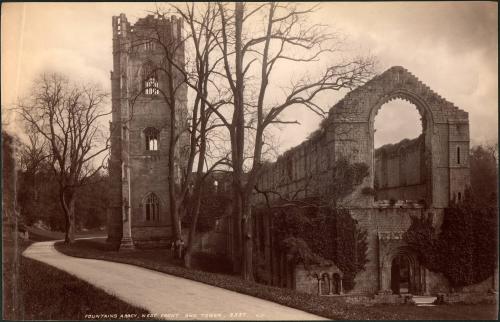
385,279
127,243
330,282
341,288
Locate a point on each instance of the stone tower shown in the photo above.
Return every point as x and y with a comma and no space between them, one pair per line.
138,210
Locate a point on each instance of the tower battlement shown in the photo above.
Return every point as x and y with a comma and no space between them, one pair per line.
122,28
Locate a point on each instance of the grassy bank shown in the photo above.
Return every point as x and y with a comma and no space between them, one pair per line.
35,291
330,307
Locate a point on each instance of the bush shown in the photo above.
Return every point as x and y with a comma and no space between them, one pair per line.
466,249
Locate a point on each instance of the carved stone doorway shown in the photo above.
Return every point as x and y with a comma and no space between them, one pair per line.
401,278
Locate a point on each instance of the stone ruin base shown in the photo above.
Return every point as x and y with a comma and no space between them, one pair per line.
490,297
397,299
369,300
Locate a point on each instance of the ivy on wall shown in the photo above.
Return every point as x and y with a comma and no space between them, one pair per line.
316,230
320,235
465,250
344,177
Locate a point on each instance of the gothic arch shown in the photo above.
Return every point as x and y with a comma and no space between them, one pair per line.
152,138
422,107
427,122
151,207
146,195
416,274
150,80
351,132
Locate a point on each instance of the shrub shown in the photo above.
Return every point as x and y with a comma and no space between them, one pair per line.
465,251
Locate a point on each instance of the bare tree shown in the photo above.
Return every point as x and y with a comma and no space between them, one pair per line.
286,38
66,117
200,26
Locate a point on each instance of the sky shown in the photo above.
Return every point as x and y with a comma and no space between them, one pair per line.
452,47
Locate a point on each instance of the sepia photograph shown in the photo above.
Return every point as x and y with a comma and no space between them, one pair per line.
249,160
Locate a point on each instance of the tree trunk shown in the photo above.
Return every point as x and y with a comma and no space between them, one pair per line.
237,232
195,209
192,229
247,243
172,189
68,205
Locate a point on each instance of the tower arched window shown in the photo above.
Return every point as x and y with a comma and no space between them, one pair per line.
150,79
149,46
152,137
152,208
458,155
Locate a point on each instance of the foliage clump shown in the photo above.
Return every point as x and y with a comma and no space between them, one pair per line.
465,250
320,235
38,200
345,177
316,229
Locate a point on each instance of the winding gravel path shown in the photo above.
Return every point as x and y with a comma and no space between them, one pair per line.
165,296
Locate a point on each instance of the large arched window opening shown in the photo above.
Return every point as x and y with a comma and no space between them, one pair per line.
399,143
152,208
152,137
150,79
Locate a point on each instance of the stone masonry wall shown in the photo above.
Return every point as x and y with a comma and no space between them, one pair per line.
433,170
400,171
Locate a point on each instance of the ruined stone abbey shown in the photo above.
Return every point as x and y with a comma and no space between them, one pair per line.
410,178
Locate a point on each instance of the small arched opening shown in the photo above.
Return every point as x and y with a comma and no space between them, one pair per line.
152,136
325,284
151,206
150,84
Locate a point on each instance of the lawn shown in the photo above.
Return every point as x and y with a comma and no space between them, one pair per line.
37,234
35,291
330,307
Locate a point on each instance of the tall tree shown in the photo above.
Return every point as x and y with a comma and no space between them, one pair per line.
286,38
67,117
200,25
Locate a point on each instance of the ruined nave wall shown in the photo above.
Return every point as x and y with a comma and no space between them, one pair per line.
400,171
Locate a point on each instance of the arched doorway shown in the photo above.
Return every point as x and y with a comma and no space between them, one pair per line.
401,279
